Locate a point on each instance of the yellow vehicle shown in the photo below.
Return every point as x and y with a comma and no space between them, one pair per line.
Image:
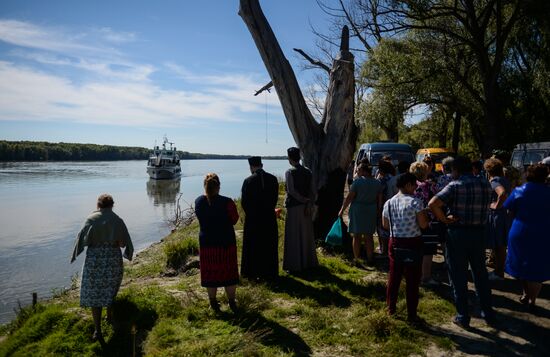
437,155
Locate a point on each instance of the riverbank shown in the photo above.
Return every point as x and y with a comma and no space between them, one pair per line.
45,151
338,309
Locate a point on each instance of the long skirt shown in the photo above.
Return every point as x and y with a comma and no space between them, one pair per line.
101,276
218,266
299,252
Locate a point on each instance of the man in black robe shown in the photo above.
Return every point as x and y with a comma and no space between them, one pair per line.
259,194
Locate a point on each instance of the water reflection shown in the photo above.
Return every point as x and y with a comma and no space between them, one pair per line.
163,192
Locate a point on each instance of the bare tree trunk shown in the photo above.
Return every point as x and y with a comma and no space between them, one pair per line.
442,134
392,132
327,147
457,119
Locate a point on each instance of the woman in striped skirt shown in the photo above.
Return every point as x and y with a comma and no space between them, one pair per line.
218,248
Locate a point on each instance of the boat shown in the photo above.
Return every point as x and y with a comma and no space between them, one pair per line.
164,163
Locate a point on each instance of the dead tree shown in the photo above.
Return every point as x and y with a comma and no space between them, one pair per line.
327,147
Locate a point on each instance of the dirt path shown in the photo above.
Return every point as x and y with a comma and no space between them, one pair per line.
516,333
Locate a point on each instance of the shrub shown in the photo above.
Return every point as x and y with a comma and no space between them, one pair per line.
178,251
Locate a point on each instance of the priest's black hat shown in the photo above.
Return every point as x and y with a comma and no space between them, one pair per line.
255,161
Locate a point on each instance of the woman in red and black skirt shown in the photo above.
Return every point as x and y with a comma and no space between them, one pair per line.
218,249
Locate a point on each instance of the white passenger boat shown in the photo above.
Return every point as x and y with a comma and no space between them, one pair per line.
164,163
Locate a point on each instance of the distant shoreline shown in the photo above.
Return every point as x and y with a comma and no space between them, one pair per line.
38,151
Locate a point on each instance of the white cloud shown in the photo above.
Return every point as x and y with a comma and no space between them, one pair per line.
117,37
232,86
118,69
53,39
120,91
27,94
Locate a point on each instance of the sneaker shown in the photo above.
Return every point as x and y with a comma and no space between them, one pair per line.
524,299
430,282
495,277
460,323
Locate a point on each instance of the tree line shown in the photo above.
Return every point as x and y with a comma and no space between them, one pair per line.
45,151
478,70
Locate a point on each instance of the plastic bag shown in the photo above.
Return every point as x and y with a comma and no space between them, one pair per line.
335,235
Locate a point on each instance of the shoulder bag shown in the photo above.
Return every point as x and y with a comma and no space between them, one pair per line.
404,256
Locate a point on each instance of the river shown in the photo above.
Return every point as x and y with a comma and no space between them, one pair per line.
44,204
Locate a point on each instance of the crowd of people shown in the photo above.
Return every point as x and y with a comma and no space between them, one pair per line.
466,209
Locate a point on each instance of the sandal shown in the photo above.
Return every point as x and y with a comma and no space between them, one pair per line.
524,299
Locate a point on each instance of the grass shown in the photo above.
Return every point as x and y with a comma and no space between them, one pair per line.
337,309
178,251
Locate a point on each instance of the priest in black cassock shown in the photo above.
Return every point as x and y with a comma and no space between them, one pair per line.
260,191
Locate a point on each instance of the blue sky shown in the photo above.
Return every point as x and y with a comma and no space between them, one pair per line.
128,72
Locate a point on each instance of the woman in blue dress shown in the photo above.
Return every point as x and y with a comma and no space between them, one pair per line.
365,197
528,239
499,220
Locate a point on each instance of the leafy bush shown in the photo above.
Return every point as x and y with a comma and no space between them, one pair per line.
178,251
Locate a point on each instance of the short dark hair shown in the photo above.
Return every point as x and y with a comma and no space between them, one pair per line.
293,154
462,164
364,167
447,163
404,179
478,165
386,167
537,173
105,201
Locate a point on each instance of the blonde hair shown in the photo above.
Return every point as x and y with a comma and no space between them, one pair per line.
420,170
494,167
211,185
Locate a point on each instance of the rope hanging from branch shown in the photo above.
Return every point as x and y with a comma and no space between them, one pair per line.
266,114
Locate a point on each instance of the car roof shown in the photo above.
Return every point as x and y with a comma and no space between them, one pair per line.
541,145
381,146
434,151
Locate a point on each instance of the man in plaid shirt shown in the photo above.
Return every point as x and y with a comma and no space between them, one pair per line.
467,199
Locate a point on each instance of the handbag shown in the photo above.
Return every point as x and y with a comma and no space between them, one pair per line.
432,236
335,235
405,256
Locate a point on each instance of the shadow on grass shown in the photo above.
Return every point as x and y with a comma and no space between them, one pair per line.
269,332
332,291
131,324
